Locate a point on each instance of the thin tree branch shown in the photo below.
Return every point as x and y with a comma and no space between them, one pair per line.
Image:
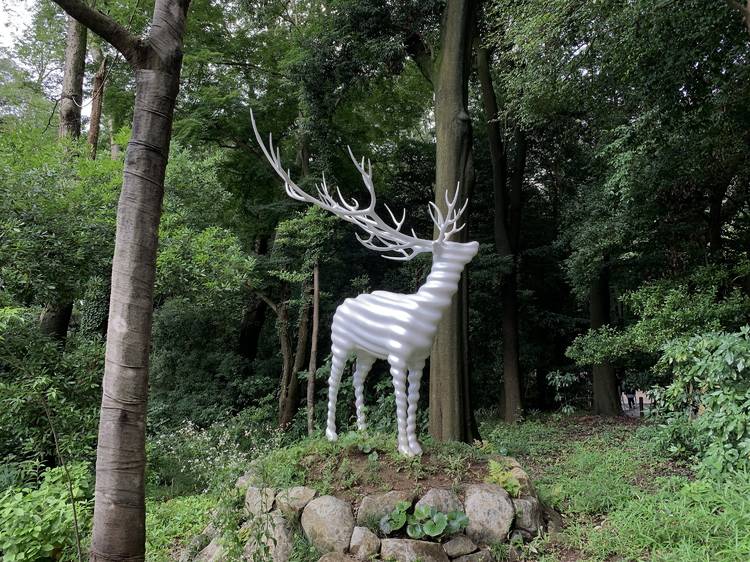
104,26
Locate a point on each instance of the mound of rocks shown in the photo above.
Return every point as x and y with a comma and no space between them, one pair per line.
346,532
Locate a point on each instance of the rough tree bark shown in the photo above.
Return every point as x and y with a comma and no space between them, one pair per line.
292,361
72,88
97,99
312,367
119,506
606,398
507,186
454,165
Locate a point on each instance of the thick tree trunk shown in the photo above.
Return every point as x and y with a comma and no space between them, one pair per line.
507,199
72,89
454,164
119,507
97,99
312,367
55,319
606,397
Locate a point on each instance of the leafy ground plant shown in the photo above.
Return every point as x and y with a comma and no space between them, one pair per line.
423,522
500,474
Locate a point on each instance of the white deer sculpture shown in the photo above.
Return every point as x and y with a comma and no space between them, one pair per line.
383,325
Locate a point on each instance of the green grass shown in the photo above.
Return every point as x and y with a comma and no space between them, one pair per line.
622,499
173,523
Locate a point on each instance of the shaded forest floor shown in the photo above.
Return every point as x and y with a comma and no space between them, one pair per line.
621,498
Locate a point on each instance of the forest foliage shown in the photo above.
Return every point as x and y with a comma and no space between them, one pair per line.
636,176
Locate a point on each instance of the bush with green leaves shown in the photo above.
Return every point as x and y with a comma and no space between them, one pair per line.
41,387
423,522
706,300
706,408
38,523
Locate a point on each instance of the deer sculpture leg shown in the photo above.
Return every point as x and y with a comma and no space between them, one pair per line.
398,373
334,381
415,379
364,364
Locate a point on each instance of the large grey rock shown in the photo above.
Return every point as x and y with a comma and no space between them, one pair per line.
490,512
259,500
328,524
374,507
270,538
292,501
335,557
459,546
407,550
441,499
481,556
250,477
212,553
528,514
364,544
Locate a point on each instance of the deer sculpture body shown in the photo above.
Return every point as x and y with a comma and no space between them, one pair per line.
383,325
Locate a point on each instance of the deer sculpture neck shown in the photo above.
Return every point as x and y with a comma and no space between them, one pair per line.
448,262
383,325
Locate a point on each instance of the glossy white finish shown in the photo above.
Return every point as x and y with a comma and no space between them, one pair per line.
382,325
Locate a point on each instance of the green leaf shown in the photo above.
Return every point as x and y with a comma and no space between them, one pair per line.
435,526
415,531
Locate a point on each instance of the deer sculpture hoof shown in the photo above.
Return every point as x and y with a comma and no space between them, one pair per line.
415,449
331,435
406,451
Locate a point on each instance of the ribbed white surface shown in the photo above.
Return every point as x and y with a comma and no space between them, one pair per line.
397,328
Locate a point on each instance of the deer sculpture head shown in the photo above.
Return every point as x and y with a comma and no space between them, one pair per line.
383,325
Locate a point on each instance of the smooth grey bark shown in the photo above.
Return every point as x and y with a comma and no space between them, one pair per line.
507,186
606,397
119,500
454,164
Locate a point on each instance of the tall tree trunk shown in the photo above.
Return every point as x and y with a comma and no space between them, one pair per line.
72,88
605,393
507,199
119,501
251,327
289,394
97,99
454,165
312,367
55,317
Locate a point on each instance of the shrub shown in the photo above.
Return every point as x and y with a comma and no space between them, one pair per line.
501,475
38,523
34,373
706,408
